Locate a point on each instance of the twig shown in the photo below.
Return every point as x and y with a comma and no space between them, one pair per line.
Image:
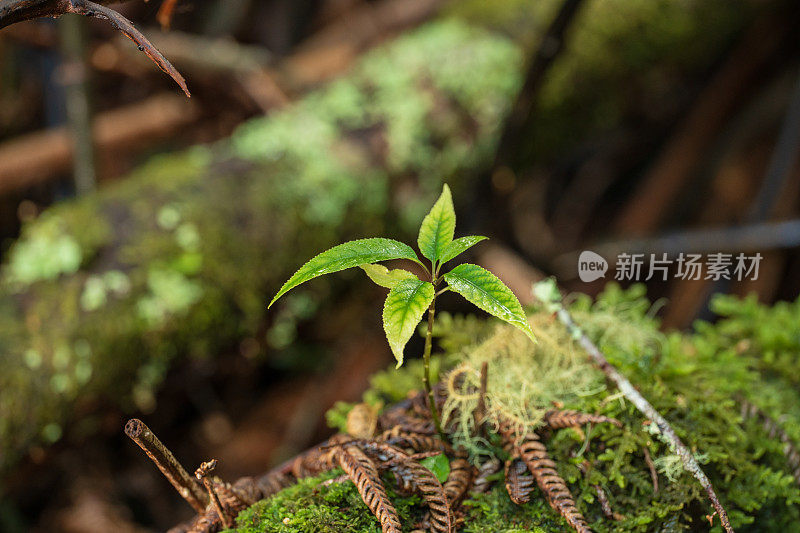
549,294
652,467
13,11
480,409
202,475
605,505
166,462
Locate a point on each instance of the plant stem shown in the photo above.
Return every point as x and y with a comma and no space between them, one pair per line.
426,374
166,462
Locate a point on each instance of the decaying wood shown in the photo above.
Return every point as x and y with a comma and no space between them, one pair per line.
13,11
37,157
202,475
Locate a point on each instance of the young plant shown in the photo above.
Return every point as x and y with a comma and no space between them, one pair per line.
409,296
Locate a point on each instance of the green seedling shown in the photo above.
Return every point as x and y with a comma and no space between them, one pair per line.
409,296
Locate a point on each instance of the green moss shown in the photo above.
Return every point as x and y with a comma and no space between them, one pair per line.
693,379
319,507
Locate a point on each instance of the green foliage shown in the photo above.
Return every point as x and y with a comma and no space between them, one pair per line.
403,310
483,289
459,246
386,278
438,228
318,505
409,296
439,465
347,255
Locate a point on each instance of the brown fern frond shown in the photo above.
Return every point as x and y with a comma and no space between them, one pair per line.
364,474
558,419
458,481
519,481
534,454
406,422
319,459
209,522
420,477
415,441
486,470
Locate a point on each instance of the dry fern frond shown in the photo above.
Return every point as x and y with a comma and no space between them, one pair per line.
458,481
533,452
519,481
420,477
364,474
415,441
558,419
485,471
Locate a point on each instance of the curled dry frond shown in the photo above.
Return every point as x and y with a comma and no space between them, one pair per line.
519,481
485,471
415,441
422,479
364,474
458,481
534,454
559,419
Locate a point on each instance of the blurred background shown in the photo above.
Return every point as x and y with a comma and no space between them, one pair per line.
142,232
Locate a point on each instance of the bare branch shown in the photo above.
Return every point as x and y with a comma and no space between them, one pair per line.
13,11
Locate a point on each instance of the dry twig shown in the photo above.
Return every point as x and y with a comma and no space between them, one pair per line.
13,11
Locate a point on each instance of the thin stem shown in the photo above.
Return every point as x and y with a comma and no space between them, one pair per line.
202,475
426,375
166,462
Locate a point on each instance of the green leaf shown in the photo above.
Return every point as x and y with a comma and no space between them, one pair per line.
403,310
459,246
485,290
438,227
347,255
439,465
385,277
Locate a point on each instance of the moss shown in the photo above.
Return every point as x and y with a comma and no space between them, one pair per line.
321,506
694,379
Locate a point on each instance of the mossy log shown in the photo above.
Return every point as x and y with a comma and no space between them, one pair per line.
729,389
101,295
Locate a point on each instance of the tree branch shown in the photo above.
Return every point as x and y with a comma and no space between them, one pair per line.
13,11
